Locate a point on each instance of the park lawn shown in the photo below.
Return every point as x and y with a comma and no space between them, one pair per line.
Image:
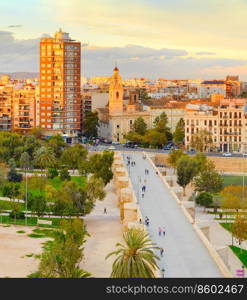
227,226
56,182
31,221
233,180
242,255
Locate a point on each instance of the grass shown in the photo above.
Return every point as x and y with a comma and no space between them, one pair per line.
29,255
233,180
20,231
227,226
56,182
44,232
35,235
31,221
241,254
7,205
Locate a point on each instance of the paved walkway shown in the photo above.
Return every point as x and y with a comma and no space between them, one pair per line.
184,254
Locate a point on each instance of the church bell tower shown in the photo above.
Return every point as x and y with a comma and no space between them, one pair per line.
115,93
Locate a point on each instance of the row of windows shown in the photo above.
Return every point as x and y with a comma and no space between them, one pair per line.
231,115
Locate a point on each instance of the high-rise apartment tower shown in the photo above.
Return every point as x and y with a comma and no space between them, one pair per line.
60,70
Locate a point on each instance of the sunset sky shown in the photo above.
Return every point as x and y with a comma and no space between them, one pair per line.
147,38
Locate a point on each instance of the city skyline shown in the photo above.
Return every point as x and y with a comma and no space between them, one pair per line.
160,39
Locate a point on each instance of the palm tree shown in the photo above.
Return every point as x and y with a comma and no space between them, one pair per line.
136,258
45,157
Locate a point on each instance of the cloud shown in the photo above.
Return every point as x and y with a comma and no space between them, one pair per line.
14,26
205,53
18,55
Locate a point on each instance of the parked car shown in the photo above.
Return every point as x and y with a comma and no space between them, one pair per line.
130,145
227,154
192,151
115,143
245,154
111,148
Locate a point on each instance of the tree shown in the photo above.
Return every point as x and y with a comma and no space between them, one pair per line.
57,144
64,174
101,165
155,138
140,126
136,257
37,204
51,173
12,191
72,156
179,133
13,176
84,167
186,171
61,259
239,229
45,158
36,132
143,95
160,124
204,199
3,172
134,137
232,197
91,124
202,141
174,156
208,179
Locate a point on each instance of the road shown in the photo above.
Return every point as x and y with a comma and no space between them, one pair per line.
102,147
184,253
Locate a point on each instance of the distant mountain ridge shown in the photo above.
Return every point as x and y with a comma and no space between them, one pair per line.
21,75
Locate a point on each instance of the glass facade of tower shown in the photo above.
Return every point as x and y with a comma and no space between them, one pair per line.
60,67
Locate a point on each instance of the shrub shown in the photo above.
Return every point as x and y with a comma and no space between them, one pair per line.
52,172
17,215
13,176
204,199
64,174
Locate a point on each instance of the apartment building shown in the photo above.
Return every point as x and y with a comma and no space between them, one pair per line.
24,108
6,93
226,121
60,99
207,88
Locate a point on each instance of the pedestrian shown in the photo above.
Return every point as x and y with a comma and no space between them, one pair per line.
105,212
163,272
147,171
147,221
156,172
164,231
144,188
140,221
142,195
159,230
161,251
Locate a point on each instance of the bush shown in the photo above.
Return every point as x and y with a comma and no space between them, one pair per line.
52,172
64,174
18,215
204,199
13,176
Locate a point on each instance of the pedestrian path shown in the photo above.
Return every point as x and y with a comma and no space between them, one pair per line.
184,253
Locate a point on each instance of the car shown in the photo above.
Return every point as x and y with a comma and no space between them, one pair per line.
245,154
227,154
130,145
111,148
192,151
115,143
